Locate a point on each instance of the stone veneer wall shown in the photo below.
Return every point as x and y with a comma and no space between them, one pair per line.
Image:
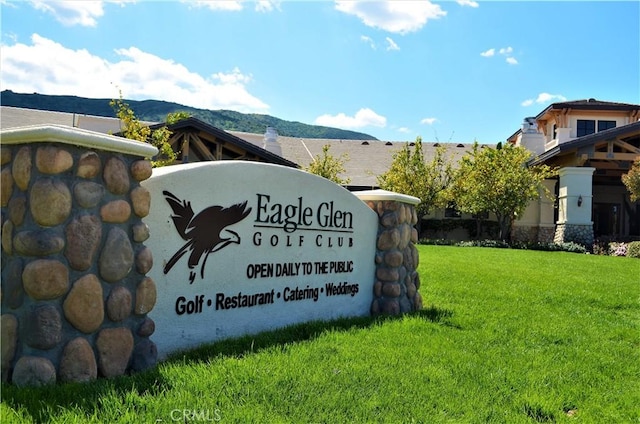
581,234
397,280
74,291
540,234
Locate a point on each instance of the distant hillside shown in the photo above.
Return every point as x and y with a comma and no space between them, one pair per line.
155,110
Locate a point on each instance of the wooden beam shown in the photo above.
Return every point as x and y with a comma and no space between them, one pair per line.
196,142
627,146
614,156
606,165
185,149
173,140
568,160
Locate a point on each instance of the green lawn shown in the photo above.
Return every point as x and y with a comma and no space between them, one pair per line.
506,336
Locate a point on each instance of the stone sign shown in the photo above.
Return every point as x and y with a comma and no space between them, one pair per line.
242,247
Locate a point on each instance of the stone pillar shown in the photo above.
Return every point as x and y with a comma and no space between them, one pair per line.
574,206
397,280
74,291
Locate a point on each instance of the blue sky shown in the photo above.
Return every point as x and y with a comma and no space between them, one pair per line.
449,71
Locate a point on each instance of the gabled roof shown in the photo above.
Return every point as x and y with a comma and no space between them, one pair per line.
192,123
590,104
366,158
584,104
12,117
624,131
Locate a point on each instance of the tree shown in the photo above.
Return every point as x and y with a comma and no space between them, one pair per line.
632,181
410,174
174,117
135,130
500,182
328,166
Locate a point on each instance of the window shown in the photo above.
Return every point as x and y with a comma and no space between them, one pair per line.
605,125
588,126
585,127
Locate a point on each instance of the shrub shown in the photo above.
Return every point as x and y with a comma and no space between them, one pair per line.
572,247
618,249
484,243
440,227
549,247
633,249
437,242
601,247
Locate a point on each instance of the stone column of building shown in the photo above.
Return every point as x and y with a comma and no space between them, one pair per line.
574,206
397,280
75,295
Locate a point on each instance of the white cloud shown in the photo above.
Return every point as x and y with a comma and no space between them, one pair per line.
7,3
235,5
404,130
544,98
224,5
428,121
363,118
391,45
397,16
488,53
48,67
267,5
369,41
505,51
69,13
469,3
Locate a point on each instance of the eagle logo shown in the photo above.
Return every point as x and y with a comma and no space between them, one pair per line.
205,232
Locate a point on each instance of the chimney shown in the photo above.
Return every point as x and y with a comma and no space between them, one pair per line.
529,125
270,143
531,139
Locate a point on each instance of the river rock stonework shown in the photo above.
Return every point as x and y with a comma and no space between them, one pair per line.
397,280
581,234
74,288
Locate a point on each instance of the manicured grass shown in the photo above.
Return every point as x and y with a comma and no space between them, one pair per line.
506,336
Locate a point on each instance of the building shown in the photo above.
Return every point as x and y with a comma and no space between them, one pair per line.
192,138
195,140
592,143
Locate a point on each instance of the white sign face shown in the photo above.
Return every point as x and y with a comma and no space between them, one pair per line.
241,247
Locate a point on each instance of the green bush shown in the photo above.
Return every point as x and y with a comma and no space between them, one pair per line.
572,247
437,242
548,247
633,249
442,226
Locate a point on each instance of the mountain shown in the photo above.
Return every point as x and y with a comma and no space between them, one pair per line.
156,111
